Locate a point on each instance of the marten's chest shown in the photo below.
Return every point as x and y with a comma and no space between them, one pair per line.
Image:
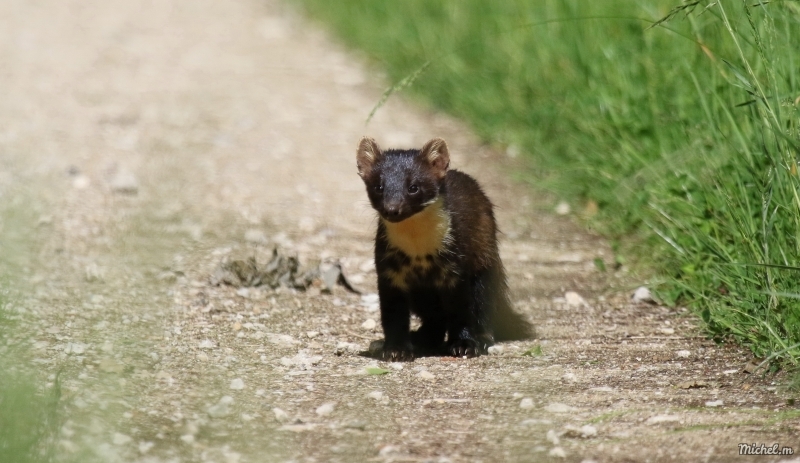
418,250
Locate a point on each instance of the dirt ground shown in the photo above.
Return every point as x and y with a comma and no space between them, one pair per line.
143,143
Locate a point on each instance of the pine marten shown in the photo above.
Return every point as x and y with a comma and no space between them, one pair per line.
436,255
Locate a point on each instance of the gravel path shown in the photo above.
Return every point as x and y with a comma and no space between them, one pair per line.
144,143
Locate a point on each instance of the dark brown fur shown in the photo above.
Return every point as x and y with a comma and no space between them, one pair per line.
436,255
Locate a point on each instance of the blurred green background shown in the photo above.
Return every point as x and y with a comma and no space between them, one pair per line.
677,139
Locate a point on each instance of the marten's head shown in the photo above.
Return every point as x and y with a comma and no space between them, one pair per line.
401,183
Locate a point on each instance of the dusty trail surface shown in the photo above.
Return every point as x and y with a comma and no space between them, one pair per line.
142,143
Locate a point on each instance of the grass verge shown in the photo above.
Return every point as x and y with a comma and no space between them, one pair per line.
677,138
28,418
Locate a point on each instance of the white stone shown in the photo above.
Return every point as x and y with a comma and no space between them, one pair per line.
426,375
552,437
124,181
221,408
714,403
584,431
280,415
325,409
495,350
255,236
369,324
563,208
556,407
237,384
602,389
663,419
145,446
526,403
81,182
388,450
642,294
557,452
76,348
683,354
207,344
121,439
369,299
377,395
574,299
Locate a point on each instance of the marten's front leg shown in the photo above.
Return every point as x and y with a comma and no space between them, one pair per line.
396,320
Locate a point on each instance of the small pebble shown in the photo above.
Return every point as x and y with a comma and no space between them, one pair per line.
426,375
495,350
325,409
349,348
255,236
121,439
563,208
145,446
559,408
584,431
602,389
662,419
75,348
280,415
81,182
642,294
356,424
552,437
714,403
574,299
683,354
388,450
368,299
206,344
369,324
237,384
526,403
221,408
374,347
377,395
557,452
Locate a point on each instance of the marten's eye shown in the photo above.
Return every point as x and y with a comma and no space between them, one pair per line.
379,188
413,189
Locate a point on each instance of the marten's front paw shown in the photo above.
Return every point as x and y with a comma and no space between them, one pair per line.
466,348
402,353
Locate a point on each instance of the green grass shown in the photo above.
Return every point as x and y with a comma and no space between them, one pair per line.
685,135
28,417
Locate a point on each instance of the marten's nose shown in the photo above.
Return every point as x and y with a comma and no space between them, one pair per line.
392,210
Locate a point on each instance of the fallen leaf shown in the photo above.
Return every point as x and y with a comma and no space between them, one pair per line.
376,371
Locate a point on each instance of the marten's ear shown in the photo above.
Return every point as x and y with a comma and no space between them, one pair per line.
436,154
366,156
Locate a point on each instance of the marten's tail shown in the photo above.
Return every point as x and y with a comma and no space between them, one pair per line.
507,324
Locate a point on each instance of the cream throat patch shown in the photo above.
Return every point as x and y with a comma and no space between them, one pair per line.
424,233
